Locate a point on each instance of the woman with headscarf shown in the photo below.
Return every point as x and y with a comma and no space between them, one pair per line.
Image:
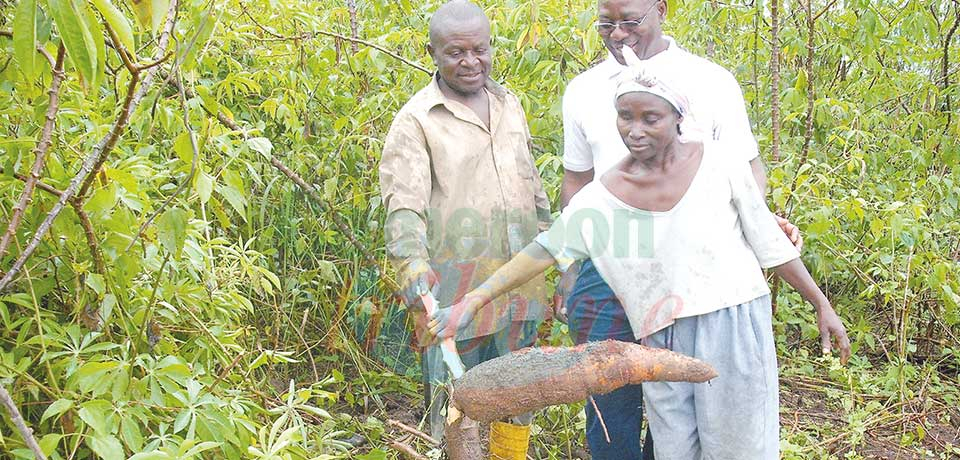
681,235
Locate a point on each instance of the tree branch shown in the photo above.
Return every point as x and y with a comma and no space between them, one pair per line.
312,35
6,33
91,236
40,185
40,155
95,160
21,425
775,78
352,7
127,62
811,94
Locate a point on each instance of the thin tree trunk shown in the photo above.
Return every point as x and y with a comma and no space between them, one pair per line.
40,154
21,425
775,79
352,6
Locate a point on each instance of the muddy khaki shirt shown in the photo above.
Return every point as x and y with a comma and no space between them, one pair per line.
465,198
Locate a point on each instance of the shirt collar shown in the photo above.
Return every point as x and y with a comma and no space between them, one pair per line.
436,97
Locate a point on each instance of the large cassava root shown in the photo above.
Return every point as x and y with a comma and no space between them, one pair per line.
535,378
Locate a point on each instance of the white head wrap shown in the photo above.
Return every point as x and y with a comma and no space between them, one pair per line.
636,77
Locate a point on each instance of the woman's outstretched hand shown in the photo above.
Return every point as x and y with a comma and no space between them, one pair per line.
832,333
446,322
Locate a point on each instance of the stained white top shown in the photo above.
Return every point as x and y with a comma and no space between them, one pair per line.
717,110
702,255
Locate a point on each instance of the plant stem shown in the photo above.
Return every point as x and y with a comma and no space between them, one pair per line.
21,425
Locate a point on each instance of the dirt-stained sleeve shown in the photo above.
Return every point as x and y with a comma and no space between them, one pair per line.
405,185
759,227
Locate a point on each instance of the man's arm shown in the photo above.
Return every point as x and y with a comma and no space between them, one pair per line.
405,185
572,182
759,173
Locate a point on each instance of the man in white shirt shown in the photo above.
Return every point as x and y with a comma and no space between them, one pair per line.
592,145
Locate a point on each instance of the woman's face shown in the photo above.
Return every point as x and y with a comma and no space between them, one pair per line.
647,124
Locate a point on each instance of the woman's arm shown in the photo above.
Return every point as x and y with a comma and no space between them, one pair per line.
531,261
829,324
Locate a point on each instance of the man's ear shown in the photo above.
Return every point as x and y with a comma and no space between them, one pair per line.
430,51
663,8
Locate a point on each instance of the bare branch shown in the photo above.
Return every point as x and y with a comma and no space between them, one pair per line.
124,56
95,160
354,35
6,33
310,36
21,425
409,429
811,95
49,58
155,63
40,185
406,450
40,154
91,236
775,78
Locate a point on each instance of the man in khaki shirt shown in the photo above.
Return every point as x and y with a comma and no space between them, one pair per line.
462,193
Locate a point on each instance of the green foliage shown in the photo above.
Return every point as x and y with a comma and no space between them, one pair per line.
212,336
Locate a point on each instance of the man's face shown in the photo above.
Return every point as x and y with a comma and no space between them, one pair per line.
651,12
463,56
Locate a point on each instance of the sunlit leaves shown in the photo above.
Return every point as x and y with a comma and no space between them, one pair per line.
83,47
150,13
25,38
118,22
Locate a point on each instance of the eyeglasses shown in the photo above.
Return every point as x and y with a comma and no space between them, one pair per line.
629,26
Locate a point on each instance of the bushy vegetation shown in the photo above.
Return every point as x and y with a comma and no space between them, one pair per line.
199,270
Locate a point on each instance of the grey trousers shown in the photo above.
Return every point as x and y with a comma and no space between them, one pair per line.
734,416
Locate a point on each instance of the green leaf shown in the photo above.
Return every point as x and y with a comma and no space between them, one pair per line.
130,432
91,376
172,228
118,22
262,145
95,282
150,13
102,200
235,198
70,18
204,186
153,455
25,37
95,414
107,447
183,148
375,454
48,443
96,31
56,409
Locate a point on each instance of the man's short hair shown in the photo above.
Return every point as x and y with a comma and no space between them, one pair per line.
454,12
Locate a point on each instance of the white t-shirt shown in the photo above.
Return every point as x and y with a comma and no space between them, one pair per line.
590,137
701,256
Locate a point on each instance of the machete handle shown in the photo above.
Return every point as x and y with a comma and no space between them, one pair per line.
448,347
